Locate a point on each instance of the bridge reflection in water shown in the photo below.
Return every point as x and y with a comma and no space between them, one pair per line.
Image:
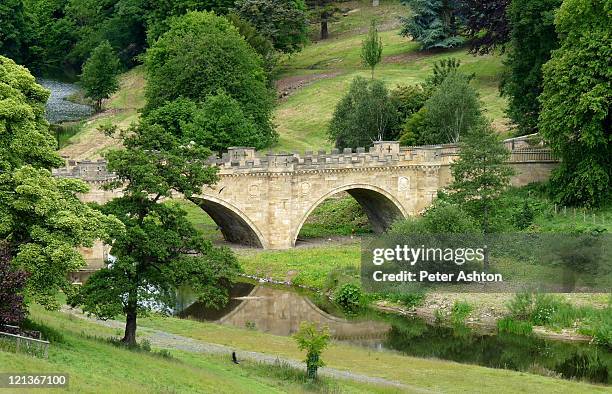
280,312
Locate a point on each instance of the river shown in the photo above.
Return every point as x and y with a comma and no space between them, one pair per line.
58,108
278,311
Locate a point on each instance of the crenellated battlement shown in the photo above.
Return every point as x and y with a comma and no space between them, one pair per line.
384,154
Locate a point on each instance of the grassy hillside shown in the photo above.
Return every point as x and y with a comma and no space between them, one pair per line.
121,110
330,66
317,77
95,365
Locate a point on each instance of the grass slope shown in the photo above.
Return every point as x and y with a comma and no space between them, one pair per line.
96,366
329,65
121,110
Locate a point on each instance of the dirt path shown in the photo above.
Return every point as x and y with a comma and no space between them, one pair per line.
166,340
285,87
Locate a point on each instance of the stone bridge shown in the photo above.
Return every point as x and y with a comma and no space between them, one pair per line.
262,200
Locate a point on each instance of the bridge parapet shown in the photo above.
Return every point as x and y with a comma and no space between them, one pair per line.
383,154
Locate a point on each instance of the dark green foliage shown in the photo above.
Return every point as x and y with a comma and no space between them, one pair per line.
433,23
451,111
257,41
15,30
486,24
371,48
350,298
480,174
220,123
576,119
442,218
415,129
409,99
200,54
365,114
525,217
532,39
284,22
157,250
100,74
442,69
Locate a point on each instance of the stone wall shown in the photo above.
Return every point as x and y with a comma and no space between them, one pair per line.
263,199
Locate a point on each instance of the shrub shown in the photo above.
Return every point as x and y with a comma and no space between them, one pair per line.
349,297
314,341
461,310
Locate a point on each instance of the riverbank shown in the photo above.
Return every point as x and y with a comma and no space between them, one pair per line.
416,374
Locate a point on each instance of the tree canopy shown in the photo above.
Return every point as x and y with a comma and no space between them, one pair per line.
532,38
371,48
283,22
100,74
202,53
365,114
433,23
159,249
576,101
41,217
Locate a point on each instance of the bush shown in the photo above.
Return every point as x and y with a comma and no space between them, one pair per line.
461,310
442,218
313,340
365,114
201,54
350,298
538,309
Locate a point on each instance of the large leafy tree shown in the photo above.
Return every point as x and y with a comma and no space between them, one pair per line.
365,114
284,22
100,74
486,24
41,218
576,100
434,23
159,249
532,38
202,53
15,30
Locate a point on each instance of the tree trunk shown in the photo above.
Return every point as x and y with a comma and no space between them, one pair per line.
129,337
324,32
485,228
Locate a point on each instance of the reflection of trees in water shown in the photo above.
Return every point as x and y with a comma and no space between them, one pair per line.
523,353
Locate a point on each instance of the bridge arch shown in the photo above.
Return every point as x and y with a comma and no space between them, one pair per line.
381,207
234,224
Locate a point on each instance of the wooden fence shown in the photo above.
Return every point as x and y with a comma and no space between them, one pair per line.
21,344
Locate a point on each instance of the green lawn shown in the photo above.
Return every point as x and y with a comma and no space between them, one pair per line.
96,366
302,118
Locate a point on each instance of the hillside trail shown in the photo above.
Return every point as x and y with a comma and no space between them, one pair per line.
166,340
